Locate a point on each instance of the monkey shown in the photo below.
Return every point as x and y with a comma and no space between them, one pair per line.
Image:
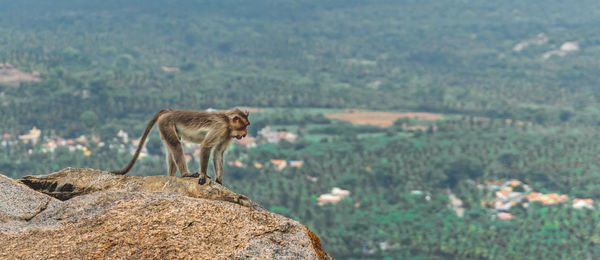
212,130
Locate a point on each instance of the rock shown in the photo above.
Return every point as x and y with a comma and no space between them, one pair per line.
71,182
157,217
30,203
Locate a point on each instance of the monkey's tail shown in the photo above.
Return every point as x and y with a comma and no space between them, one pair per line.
141,144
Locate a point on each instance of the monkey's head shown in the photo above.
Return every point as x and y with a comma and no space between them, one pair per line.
238,123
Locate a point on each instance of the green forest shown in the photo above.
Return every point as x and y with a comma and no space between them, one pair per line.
509,169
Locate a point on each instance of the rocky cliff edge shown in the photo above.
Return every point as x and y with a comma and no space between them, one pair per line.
89,214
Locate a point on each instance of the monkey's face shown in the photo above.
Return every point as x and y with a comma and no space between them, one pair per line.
238,127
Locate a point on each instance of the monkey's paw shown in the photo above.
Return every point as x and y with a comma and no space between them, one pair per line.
192,175
202,180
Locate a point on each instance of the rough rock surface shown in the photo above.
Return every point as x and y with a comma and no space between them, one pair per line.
71,182
30,203
158,217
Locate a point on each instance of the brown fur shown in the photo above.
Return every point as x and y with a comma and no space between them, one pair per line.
213,130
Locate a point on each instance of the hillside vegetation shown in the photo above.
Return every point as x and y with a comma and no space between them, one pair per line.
514,84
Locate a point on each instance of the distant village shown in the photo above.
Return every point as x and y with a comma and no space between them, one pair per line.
504,195
123,143
541,39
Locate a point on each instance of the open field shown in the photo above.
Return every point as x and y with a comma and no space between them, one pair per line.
382,119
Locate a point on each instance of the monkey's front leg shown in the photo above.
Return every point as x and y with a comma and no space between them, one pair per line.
204,156
218,161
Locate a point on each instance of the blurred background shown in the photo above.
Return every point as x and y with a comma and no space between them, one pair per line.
397,129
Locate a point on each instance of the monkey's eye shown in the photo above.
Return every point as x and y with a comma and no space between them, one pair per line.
236,119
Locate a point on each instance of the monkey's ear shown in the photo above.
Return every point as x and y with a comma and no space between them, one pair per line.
247,113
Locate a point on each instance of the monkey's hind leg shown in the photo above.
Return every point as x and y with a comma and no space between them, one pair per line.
171,164
218,161
175,151
179,159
